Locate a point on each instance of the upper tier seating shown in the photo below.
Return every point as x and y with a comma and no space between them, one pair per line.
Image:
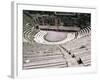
83,32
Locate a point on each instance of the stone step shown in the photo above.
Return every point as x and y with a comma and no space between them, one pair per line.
44,62
51,65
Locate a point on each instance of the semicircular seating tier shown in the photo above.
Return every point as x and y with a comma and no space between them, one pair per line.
39,37
31,34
